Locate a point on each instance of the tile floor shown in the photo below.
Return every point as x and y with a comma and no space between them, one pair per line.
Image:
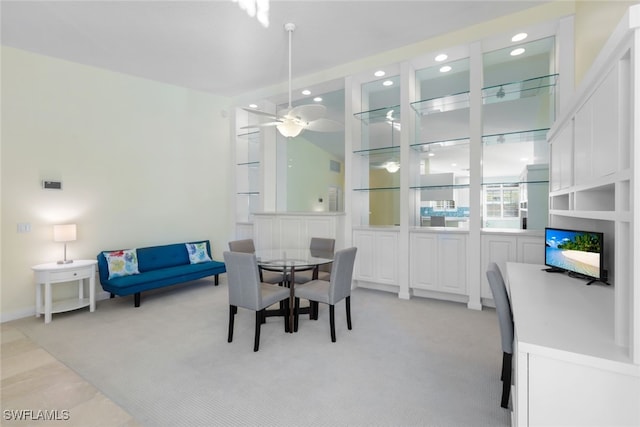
42,391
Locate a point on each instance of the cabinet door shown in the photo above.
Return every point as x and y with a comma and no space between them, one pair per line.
365,260
377,259
386,247
498,249
423,263
452,263
531,250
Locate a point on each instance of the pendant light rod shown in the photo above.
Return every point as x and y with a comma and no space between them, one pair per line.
290,28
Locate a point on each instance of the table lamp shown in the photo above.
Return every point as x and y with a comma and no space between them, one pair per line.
64,233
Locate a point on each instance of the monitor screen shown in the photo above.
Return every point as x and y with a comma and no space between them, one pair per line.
575,251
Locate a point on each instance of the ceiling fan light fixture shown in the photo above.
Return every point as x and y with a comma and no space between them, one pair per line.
392,166
289,129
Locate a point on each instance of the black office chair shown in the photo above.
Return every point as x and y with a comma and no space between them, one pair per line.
505,319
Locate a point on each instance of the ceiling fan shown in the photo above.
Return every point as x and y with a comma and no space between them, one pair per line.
292,121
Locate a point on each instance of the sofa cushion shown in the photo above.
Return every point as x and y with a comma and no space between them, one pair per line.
122,263
197,252
165,274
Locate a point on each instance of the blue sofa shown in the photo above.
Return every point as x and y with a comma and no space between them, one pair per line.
158,266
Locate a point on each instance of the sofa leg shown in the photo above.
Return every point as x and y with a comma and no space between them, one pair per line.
112,295
216,281
136,299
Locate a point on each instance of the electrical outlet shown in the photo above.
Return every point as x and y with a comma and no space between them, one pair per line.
24,227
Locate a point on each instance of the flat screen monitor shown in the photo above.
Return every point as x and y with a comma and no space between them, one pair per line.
578,252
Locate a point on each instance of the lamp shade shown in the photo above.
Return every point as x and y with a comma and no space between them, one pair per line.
64,233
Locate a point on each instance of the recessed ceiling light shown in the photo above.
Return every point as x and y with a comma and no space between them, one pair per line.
454,164
379,73
445,69
524,159
516,52
441,57
306,92
317,99
432,154
387,83
519,37
253,106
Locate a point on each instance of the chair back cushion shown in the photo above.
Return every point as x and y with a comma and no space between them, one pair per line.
319,247
341,275
243,280
503,306
245,246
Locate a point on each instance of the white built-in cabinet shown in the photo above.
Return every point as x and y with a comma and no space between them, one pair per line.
438,262
594,164
377,253
582,365
295,230
502,247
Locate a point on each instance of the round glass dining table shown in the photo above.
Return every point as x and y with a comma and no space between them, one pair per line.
289,261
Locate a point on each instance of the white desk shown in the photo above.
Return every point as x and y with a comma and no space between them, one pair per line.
568,369
52,273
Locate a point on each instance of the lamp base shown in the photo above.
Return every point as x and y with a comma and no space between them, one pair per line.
66,261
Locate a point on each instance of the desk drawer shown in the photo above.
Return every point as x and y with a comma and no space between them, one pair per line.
61,276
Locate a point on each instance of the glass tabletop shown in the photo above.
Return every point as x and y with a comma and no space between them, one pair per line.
287,258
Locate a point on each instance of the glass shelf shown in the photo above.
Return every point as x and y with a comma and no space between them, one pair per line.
521,89
249,164
377,189
426,146
248,193
249,134
377,151
535,135
515,182
440,187
379,115
442,104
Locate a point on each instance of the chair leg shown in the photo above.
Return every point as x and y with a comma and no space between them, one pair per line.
332,322
232,311
259,317
506,379
296,313
285,314
348,305
315,309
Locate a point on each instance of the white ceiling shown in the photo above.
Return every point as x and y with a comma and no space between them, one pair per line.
215,47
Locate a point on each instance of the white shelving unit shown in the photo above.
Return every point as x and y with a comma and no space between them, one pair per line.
594,158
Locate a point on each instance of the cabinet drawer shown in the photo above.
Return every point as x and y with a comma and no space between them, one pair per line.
61,276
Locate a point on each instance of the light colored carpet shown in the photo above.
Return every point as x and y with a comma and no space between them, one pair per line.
405,363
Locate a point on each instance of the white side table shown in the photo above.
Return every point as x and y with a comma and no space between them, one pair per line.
52,273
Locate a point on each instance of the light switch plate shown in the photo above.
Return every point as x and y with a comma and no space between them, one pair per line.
24,227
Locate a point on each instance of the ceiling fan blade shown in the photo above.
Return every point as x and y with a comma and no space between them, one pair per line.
325,125
261,125
308,113
261,113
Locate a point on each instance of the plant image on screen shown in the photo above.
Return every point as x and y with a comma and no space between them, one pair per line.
574,251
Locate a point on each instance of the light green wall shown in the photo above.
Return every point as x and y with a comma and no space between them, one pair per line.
309,176
141,163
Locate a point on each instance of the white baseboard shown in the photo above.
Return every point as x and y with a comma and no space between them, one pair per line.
31,311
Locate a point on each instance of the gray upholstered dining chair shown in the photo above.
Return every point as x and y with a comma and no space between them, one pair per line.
246,291
320,247
336,289
247,246
505,319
